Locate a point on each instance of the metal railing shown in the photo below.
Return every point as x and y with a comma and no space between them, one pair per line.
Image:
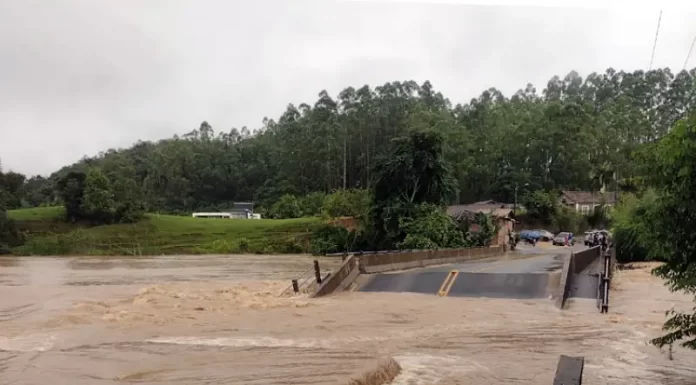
604,280
297,285
304,282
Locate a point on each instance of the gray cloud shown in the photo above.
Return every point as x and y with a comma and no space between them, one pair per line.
80,76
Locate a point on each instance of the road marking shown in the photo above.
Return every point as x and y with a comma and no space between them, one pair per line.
447,284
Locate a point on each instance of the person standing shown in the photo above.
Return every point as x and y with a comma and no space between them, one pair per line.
603,241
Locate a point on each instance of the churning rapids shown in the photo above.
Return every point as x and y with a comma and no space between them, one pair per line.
219,320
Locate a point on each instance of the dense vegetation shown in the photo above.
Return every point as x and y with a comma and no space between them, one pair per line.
575,134
407,204
657,222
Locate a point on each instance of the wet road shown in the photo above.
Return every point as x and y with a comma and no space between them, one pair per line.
526,259
525,274
519,265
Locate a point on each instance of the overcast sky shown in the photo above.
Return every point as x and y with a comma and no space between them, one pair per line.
81,76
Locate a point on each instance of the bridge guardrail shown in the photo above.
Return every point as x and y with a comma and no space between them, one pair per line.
604,281
575,264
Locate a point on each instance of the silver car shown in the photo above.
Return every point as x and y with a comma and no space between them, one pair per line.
544,235
560,239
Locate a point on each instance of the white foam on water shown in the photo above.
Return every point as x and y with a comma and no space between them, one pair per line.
425,369
28,343
269,342
243,342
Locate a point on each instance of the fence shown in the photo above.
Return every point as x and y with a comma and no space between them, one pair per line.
604,281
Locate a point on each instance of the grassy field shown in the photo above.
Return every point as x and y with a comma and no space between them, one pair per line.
48,234
36,213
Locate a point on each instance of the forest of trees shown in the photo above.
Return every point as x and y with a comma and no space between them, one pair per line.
574,134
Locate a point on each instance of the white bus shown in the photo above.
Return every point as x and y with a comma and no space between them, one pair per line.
212,215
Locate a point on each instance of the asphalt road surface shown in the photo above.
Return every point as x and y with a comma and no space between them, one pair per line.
526,259
521,274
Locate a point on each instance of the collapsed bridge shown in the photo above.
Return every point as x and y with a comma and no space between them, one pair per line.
556,273
534,273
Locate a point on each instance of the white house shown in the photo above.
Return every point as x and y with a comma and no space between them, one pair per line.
586,202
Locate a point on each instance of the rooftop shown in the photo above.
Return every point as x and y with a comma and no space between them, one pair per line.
573,196
244,206
496,209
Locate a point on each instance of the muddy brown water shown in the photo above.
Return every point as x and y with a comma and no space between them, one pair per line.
219,320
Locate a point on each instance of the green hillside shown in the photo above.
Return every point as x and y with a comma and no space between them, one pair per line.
48,234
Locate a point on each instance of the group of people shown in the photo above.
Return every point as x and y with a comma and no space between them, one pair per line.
600,238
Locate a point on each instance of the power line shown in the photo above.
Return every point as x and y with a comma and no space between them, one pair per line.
652,57
689,54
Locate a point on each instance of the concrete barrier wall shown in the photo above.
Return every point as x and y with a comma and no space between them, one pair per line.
585,258
569,371
348,270
574,264
410,259
381,261
564,285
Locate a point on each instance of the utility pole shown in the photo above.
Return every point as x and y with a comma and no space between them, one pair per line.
616,187
345,161
516,187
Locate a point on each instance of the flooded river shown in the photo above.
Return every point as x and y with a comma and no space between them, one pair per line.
220,320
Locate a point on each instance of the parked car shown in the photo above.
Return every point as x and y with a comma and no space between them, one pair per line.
560,239
589,237
530,236
545,235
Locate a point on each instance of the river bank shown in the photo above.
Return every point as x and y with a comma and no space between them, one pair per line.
48,234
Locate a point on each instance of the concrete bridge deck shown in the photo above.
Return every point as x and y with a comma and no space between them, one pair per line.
529,272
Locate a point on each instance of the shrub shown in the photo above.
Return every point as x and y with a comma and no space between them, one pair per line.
566,219
631,227
430,227
332,239
487,230
243,245
541,205
287,207
9,235
347,203
311,205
